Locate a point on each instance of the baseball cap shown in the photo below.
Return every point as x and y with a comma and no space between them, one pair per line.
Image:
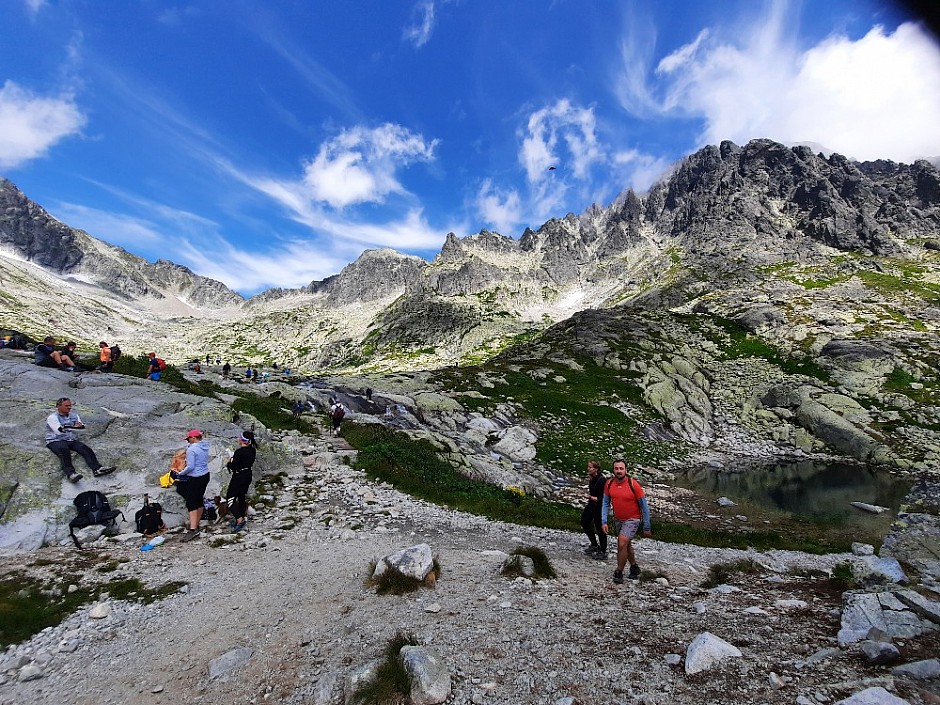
194,433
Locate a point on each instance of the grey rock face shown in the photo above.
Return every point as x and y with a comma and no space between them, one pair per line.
33,234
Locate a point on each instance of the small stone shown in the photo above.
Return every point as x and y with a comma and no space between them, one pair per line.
31,672
862,549
102,610
776,682
790,604
157,689
673,659
725,502
434,608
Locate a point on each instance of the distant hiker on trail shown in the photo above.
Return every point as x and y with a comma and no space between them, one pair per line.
192,480
45,355
208,359
155,366
248,374
240,465
226,370
337,412
591,520
60,439
254,375
297,409
630,507
107,364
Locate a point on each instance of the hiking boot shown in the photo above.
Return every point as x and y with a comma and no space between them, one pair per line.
193,533
634,572
600,555
102,471
618,576
74,477
238,527
591,550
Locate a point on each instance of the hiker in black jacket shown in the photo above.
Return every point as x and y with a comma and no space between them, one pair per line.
591,516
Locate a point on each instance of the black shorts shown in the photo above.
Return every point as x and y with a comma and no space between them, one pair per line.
193,491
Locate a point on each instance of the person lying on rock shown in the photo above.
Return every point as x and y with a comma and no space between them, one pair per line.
60,439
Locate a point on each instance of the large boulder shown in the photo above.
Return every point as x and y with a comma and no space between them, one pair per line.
132,423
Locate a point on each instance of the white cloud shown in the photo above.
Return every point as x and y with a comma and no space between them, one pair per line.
560,123
873,97
638,169
30,125
419,32
34,6
501,210
360,165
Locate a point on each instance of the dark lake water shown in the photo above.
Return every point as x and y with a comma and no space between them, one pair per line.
808,489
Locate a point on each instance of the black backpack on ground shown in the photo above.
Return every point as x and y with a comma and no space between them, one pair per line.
209,511
115,353
149,518
93,508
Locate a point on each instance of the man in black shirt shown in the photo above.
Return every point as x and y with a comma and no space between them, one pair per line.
591,516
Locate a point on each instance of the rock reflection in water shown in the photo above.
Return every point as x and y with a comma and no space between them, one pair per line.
804,488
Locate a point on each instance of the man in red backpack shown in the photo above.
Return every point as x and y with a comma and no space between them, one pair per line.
630,508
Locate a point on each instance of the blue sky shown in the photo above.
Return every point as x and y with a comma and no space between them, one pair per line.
269,143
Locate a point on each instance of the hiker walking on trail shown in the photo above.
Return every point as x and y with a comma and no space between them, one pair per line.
191,481
240,465
337,413
591,521
628,500
61,425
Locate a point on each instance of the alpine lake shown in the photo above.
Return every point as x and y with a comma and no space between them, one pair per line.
806,496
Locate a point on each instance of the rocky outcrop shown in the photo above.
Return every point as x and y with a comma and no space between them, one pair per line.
132,423
28,231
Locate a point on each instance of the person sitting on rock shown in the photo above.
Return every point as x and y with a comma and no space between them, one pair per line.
46,355
60,439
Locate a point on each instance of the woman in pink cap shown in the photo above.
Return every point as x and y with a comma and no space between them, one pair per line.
191,481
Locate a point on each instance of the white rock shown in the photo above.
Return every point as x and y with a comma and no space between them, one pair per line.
101,610
707,651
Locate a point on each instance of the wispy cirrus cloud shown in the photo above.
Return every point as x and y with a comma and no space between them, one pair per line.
30,125
564,158
422,25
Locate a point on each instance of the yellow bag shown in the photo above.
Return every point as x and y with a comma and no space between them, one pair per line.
166,480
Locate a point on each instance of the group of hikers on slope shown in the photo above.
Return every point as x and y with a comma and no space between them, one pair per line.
615,506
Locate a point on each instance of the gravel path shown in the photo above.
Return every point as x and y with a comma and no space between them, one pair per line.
291,589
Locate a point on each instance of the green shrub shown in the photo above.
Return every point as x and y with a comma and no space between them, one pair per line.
722,573
845,574
543,567
414,467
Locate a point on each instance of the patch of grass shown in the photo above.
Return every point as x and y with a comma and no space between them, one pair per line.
27,605
845,574
722,573
672,532
743,343
648,576
542,566
272,412
390,685
414,467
